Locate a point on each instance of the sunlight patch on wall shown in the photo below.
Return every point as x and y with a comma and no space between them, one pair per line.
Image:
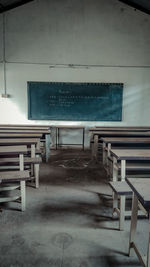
10,113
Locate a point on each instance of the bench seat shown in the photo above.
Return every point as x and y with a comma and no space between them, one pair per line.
121,190
27,160
13,177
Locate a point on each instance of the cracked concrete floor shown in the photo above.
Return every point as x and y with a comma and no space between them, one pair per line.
68,220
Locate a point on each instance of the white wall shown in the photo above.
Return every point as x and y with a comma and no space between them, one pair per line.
105,33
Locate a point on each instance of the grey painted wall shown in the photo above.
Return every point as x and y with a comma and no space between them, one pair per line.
103,32
111,41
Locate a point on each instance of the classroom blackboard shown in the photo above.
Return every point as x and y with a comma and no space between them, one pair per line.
75,101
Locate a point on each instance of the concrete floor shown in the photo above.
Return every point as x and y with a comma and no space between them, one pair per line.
68,220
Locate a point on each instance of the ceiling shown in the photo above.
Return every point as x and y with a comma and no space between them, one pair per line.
143,5
10,4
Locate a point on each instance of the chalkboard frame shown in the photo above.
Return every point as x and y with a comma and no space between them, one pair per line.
34,116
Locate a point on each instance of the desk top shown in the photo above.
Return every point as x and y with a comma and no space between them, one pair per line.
135,129
23,126
126,140
21,141
44,131
131,154
20,135
69,127
141,187
122,133
6,150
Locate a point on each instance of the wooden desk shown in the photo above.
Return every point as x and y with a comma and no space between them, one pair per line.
69,128
29,133
32,142
101,134
127,154
108,142
15,150
141,189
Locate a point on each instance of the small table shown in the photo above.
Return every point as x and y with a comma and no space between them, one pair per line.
141,193
70,128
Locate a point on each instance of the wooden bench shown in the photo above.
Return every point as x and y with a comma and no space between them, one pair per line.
120,190
13,177
6,163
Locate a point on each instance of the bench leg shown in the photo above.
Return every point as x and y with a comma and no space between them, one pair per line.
123,170
115,171
47,146
115,202
36,173
23,195
122,213
133,222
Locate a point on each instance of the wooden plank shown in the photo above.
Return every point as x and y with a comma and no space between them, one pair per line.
6,150
69,127
119,129
141,187
135,166
126,140
14,175
131,154
122,134
20,135
29,127
27,160
121,188
23,141
24,131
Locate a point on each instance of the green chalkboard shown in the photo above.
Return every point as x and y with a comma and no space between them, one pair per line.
75,101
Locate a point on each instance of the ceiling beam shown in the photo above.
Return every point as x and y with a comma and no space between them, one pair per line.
14,5
137,6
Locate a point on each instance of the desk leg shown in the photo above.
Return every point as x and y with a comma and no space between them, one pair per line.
148,248
108,161
32,151
21,162
56,138
23,195
104,154
47,146
83,137
115,170
133,222
123,170
122,212
115,178
36,173
95,146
